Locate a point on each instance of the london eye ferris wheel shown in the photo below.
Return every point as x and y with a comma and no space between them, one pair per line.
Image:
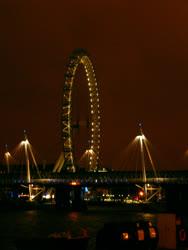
80,57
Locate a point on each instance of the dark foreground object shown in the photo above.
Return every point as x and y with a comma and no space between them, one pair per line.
127,235
52,244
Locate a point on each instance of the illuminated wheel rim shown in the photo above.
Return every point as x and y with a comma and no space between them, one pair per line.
80,57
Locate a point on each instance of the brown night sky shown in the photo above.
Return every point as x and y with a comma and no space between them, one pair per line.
139,50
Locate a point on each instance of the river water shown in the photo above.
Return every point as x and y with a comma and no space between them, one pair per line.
35,223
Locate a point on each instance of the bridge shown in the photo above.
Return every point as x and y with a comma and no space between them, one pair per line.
68,185
110,178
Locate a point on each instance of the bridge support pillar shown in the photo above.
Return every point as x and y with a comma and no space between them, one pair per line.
62,197
78,202
71,198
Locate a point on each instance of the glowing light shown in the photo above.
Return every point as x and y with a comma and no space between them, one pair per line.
140,137
74,183
47,196
141,193
140,233
25,142
90,151
125,236
152,232
7,154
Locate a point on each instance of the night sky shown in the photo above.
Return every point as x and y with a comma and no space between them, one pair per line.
139,50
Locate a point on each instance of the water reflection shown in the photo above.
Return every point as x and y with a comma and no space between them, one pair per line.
19,224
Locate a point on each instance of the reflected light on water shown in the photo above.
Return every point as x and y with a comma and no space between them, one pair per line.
73,216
